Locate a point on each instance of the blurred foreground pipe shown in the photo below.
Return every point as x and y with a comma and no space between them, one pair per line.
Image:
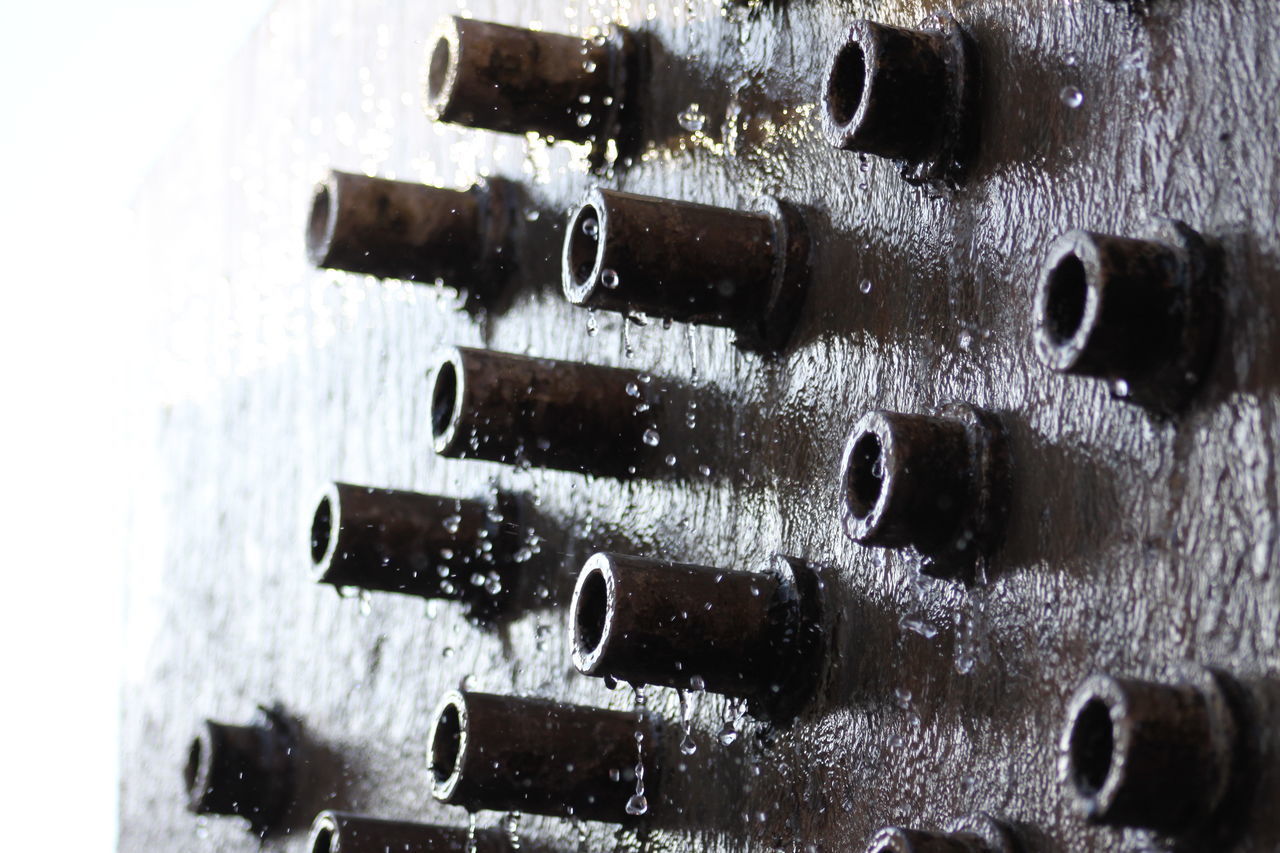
342,832
244,771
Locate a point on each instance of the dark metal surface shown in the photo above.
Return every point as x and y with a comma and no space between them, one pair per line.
244,771
342,832
1134,544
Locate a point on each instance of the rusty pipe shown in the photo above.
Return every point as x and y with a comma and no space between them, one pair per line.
515,80
933,483
505,753
744,634
343,832
746,270
1143,315
542,413
411,231
977,833
244,771
1158,756
906,95
435,547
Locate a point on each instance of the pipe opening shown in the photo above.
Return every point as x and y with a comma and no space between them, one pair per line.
865,477
321,530
438,68
1068,293
847,80
584,244
591,612
323,841
1091,746
444,398
446,743
318,221
195,758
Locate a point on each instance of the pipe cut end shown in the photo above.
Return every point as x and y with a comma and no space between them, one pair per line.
195,774
447,390
1068,302
867,479
442,68
324,834
851,81
448,746
326,523
322,221
583,270
1093,745
591,613
892,840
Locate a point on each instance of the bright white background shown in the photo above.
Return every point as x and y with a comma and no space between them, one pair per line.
90,93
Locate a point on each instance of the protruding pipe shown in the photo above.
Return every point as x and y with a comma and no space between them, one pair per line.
744,634
342,832
689,262
1157,756
396,541
934,483
542,413
908,95
515,80
244,771
1141,314
397,229
504,753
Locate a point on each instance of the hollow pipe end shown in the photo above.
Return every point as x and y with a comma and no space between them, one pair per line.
197,773
1068,301
591,613
325,837
869,474
322,219
322,531
440,79
447,747
447,383
582,257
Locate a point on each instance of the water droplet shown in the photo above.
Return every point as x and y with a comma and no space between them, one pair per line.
1120,388
638,804
692,119
591,228
670,460
865,285
610,279
651,437
584,119
452,523
1071,96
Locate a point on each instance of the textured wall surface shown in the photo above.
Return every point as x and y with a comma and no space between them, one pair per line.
1134,545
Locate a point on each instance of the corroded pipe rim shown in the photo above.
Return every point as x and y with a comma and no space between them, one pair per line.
325,528
447,381
197,770
863,503
579,288
441,76
841,115
591,639
1068,300
447,745
322,221
325,836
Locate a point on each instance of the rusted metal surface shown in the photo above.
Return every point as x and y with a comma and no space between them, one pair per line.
1134,544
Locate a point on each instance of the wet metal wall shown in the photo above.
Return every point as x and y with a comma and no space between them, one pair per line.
1135,545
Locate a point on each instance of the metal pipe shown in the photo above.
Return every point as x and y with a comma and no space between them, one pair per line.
746,270
744,634
244,771
1158,756
411,231
514,80
908,95
505,753
1142,314
542,413
343,832
976,833
397,541
933,483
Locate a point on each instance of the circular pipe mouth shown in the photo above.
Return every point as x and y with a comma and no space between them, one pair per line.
1066,299
321,530
193,774
442,67
866,481
321,221
591,612
1091,747
846,84
584,250
447,387
324,834
448,741
864,475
